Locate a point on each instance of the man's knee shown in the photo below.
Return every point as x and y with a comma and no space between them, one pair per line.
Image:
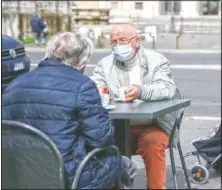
153,139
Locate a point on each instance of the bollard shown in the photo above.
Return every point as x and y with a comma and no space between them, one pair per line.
153,41
99,45
177,40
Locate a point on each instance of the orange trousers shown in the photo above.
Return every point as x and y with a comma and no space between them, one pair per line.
151,144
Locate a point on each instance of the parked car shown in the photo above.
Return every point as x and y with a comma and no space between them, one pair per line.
15,61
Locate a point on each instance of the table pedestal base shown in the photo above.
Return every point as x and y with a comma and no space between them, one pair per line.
122,136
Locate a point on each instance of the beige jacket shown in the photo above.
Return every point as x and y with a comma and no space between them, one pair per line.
156,78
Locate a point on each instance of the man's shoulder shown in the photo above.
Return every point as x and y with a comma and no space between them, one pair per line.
155,58
152,53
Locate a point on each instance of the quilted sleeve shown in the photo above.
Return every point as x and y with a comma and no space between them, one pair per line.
162,86
95,124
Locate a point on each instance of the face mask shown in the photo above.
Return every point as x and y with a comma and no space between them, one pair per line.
123,52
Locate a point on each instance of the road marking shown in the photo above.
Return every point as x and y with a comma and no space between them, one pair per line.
216,47
204,118
205,104
197,67
188,67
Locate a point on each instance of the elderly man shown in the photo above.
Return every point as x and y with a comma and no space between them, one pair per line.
145,75
65,104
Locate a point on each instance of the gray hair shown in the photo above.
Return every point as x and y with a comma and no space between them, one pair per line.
73,49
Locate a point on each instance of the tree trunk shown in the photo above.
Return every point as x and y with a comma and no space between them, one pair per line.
58,24
69,26
11,21
20,23
9,18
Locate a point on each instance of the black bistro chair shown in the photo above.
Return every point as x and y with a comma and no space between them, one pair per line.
175,143
30,159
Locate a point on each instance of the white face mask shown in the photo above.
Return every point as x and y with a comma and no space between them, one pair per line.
131,61
123,52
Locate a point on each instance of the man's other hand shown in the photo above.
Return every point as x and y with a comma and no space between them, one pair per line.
131,93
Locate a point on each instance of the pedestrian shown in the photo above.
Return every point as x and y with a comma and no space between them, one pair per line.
59,100
38,26
145,75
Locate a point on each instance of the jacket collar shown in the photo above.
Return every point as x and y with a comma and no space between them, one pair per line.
53,62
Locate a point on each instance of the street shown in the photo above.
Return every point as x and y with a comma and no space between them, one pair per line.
198,76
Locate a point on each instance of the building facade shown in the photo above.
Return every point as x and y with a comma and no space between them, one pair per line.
161,13
150,9
164,14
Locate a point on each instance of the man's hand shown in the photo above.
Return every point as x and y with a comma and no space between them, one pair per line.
104,90
131,93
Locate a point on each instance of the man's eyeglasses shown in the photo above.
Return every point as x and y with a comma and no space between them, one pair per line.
121,41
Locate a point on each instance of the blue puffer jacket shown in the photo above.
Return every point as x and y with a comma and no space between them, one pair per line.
65,105
37,24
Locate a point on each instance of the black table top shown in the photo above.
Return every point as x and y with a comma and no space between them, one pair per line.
140,110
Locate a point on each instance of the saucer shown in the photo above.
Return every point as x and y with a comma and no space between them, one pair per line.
119,100
110,107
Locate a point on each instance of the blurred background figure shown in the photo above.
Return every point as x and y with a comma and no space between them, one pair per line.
39,27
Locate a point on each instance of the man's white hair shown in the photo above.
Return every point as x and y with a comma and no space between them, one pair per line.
73,49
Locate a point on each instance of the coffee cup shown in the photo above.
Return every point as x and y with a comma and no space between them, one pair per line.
104,99
121,92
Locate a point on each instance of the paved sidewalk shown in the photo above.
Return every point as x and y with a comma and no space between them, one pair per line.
187,41
190,130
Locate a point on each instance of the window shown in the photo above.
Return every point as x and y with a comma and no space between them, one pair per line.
114,4
138,5
50,4
40,4
170,7
209,8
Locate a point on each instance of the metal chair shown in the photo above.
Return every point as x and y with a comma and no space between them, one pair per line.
175,143
30,159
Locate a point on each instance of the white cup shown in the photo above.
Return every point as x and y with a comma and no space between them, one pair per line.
104,99
121,92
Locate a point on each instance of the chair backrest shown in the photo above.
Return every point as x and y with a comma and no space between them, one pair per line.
180,112
30,160
174,137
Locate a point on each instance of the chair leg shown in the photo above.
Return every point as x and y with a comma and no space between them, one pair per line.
184,165
173,166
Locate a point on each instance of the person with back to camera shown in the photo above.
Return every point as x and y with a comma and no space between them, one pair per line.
59,100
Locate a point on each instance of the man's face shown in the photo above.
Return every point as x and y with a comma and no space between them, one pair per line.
125,38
